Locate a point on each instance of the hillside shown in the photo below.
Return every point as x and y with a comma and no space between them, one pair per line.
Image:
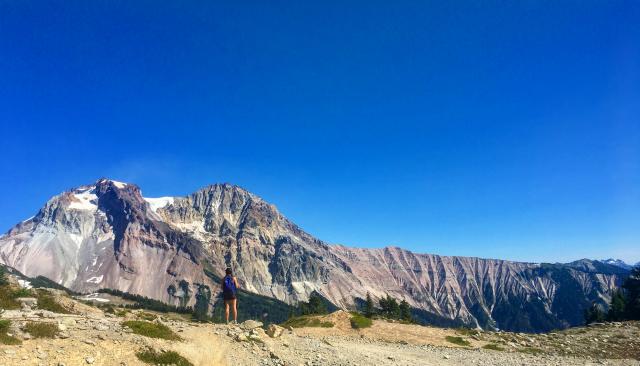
77,333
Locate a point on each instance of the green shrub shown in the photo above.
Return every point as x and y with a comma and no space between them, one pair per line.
151,330
458,340
4,338
41,330
358,321
7,299
22,292
493,346
306,321
46,301
162,358
122,313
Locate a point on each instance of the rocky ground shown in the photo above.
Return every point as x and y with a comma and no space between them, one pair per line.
90,336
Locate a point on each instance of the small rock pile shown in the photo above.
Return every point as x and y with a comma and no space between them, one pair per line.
257,340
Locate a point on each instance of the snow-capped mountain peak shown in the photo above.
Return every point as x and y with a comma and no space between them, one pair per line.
617,262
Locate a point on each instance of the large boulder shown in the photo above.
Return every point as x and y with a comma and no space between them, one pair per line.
27,303
274,331
250,324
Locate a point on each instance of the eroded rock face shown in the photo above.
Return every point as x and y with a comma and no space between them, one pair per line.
103,236
107,235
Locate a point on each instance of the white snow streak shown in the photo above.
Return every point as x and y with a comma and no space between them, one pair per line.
119,184
160,202
84,201
95,280
94,297
195,228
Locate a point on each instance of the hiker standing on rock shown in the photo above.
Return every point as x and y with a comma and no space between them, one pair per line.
229,289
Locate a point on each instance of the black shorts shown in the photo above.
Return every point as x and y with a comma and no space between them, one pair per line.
227,297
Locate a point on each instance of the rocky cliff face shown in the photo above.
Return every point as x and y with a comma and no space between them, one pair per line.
103,236
107,235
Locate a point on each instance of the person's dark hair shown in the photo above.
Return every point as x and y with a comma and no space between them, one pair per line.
228,272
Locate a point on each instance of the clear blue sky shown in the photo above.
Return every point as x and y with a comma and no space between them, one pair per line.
503,129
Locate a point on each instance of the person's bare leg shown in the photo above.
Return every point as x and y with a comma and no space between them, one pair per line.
226,310
234,302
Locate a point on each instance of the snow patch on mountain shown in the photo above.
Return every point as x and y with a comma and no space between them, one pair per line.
617,262
158,203
119,184
195,228
95,280
84,199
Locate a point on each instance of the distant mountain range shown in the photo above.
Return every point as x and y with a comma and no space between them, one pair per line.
107,235
619,263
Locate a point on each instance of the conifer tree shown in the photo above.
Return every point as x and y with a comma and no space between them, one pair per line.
632,288
3,276
368,306
389,307
617,306
405,311
201,308
594,314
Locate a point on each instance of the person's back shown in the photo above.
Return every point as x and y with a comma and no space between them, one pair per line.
229,290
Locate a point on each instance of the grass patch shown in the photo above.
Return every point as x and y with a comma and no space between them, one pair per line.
151,330
48,302
359,321
493,346
467,331
122,313
4,338
162,358
8,298
458,340
306,321
22,292
530,350
41,330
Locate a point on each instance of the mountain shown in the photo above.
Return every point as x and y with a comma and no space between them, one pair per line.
618,263
107,235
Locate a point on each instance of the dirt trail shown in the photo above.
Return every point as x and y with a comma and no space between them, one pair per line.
201,346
